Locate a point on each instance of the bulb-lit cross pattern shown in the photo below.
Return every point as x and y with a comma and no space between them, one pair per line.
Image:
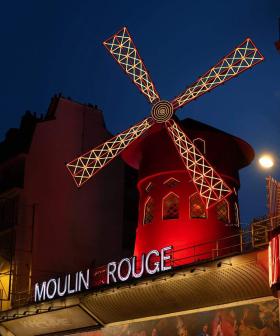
124,51
210,185
240,59
88,164
207,181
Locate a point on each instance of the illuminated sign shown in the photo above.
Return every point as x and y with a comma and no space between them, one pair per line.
51,322
153,262
273,261
60,287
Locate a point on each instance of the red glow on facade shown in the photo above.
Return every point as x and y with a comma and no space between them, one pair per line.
170,207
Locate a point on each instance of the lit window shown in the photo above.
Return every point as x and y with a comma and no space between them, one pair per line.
149,211
171,206
222,211
197,208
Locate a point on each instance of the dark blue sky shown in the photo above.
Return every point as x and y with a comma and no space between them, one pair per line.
55,46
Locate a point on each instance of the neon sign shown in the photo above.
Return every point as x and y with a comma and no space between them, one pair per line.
153,262
58,287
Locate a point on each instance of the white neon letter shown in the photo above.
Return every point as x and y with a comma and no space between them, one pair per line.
40,294
164,257
82,279
123,278
134,267
156,263
69,291
51,296
59,292
111,269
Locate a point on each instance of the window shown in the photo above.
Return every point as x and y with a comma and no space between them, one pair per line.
197,208
170,207
171,182
222,211
149,211
149,187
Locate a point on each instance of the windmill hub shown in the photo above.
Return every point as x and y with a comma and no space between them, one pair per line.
162,111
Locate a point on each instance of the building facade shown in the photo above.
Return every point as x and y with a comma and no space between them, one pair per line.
100,260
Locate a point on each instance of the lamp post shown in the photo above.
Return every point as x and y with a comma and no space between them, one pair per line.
266,161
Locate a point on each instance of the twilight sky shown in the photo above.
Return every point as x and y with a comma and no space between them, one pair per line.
56,46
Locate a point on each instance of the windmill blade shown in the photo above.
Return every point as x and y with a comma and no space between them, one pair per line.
124,51
207,181
245,56
88,164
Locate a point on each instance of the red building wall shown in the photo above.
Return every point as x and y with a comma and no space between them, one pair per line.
162,173
72,228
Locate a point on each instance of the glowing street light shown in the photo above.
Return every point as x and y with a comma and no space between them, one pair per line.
266,161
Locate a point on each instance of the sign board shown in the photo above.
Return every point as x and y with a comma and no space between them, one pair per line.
70,318
153,262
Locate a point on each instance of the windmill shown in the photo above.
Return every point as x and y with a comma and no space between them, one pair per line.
208,183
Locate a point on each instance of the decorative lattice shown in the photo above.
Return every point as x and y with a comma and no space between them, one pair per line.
240,59
149,211
171,207
222,211
171,182
208,182
124,51
85,166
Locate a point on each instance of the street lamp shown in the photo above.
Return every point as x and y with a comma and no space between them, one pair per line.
266,161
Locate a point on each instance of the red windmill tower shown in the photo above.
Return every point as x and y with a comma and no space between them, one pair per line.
183,198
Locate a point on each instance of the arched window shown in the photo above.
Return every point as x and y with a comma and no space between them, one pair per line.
149,187
197,208
149,211
236,214
170,206
222,211
171,182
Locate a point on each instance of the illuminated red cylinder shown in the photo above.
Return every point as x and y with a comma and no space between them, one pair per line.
162,175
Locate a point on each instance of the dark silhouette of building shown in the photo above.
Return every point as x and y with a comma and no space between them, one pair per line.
47,226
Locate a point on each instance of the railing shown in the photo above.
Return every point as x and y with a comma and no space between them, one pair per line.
246,241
